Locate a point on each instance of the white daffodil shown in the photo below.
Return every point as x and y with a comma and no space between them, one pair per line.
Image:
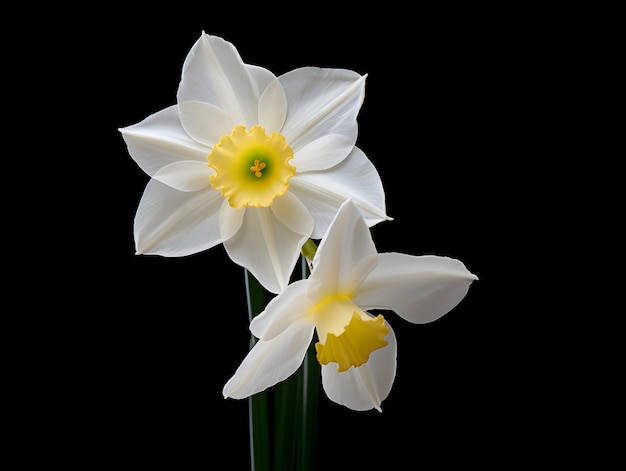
357,351
256,162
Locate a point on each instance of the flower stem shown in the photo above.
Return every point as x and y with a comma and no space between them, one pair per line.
286,421
310,386
295,407
308,252
295,399
308,427
257,404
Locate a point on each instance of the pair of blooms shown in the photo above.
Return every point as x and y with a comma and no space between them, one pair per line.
263,164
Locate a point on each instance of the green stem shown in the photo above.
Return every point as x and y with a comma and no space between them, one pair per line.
257,404
308,426
295,400
308,251
310,381
296,410
286,421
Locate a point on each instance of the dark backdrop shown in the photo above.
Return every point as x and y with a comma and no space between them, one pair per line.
441,123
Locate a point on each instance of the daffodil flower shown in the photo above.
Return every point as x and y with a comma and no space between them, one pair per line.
252,161
356,349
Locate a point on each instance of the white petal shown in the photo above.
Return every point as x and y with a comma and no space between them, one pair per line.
214,73
345,255
419,288
289,306
293,214
322,153
271,361
323,192
321,102
160,140
273,107
175,223
367,386
204,123
231,220
189,175
261,78
267,247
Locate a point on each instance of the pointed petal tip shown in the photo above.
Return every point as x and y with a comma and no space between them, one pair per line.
471,276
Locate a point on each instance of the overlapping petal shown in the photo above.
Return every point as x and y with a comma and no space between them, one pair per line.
159,140
268,246
323,153
271,361
419,288
321,102
175,223
365,387
354,178
348,240
273,107
187,175
281,311
290,211
231,220
214,73
204,123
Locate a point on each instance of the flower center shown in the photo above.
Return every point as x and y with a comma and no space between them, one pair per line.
347,335
251,168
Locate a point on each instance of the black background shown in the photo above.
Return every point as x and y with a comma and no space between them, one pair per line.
444,121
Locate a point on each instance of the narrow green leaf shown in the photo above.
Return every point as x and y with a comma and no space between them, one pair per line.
295,402
311,376
287,421
259,432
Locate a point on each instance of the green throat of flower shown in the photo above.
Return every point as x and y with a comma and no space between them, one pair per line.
347,335
251,168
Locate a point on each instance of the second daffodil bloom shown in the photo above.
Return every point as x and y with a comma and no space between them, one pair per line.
252,161
357,350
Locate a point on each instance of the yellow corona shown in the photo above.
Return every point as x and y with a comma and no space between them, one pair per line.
251,167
